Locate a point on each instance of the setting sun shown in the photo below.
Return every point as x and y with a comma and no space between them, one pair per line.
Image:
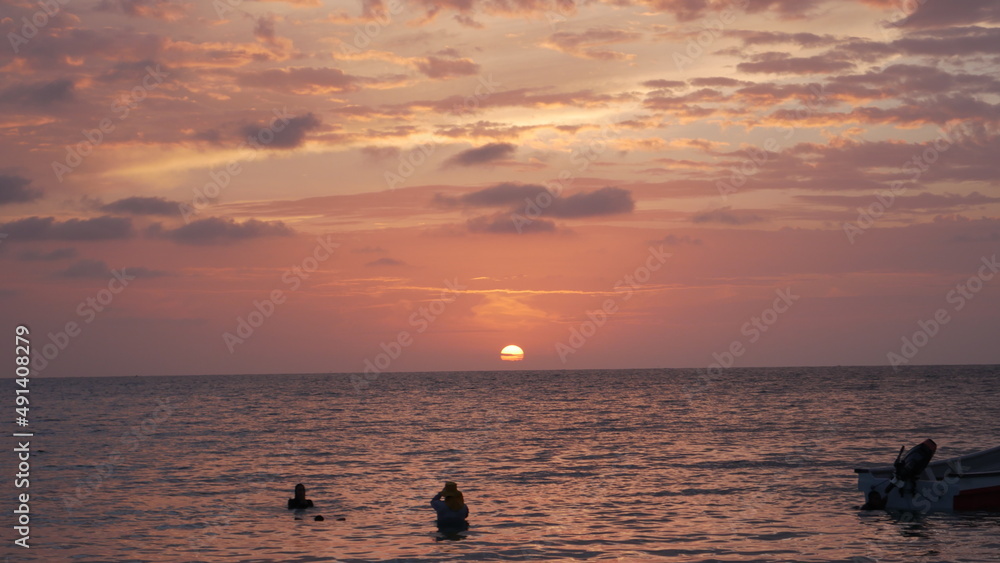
512,353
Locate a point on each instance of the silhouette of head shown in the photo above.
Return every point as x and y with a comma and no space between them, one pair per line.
300,492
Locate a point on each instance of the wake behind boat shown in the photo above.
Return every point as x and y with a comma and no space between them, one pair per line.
968,482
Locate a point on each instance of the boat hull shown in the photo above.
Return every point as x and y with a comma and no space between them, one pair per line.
970,482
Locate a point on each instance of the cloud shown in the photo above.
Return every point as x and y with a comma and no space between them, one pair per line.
535,200
509,223
436,67
715,82
605,201
801,39
386,262
725,216
263,29
589,44
782,63
292,135
924,201
39,94
664,84
57,254
215,230
945,13
14,189
302,80
506,194
165,10
88,268
47,228
482,155
139,205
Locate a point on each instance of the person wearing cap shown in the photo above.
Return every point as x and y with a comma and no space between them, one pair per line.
452,509
300,500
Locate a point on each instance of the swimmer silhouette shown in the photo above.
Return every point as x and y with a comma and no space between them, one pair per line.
300,500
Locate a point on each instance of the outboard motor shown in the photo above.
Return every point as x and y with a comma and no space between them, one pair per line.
909,467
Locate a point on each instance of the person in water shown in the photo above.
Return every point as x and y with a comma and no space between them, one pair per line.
452,509
300,500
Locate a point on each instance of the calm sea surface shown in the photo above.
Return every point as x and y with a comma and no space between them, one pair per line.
628,465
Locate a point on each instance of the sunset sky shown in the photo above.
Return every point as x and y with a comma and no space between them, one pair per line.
605,183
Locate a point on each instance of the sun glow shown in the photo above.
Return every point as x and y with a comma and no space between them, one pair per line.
512,353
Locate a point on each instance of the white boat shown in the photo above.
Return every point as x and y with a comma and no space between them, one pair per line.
967,482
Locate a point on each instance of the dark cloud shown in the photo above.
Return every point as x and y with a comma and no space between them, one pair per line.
950,42
166,10
138,205
40,94
803,39
263,29
993,237
292,135
14,189
88,268
47,228
782,63
605,201
436,67
214,230
924,201
302,80
660,83
386,262
509,223
726,216
57,254
716,81
131,71
533,200
946,13
502,195
481,155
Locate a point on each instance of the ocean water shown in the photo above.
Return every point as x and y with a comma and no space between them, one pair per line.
627,465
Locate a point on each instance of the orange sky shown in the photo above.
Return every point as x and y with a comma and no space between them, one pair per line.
608,184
